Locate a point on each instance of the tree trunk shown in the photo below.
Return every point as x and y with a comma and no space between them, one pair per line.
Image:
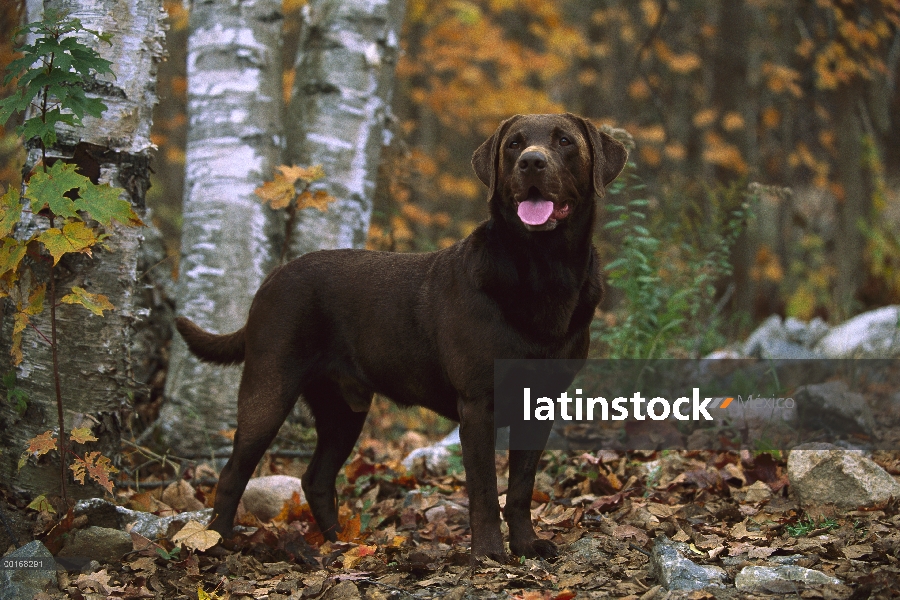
96,365
234,100
855,205
341,102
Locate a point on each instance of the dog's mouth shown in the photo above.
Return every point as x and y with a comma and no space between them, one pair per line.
536,212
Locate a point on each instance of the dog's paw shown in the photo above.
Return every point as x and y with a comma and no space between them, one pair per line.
493,549
477,561
536,548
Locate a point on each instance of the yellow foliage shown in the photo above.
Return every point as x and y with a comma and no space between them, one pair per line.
721,153
705,117
639,90
288,6
781,79
675,151
653,134
771,117
767,266
178,14
732,121
287,85
650,155
416,214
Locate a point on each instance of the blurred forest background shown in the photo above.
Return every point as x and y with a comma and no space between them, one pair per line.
797,94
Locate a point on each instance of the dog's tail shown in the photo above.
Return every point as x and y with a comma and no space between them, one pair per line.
220,349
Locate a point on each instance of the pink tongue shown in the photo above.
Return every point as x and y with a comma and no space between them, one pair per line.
535,212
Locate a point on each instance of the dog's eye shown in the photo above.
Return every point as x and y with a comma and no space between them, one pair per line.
514,145
564,141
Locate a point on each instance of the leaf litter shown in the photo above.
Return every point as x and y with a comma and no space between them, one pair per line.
406,535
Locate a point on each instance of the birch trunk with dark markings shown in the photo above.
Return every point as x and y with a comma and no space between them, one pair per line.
97,369
234,103
339,112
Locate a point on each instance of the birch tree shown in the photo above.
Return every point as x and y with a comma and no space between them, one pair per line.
95,352
339,110
234,93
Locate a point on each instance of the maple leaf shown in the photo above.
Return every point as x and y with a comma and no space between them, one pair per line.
350,529
82,435
10,211
11,254
96,465
320,199
96,303
104,204
50,188
352,556
277,193
42,444
73,237
306,174
34,306
41,504
97,582
195,536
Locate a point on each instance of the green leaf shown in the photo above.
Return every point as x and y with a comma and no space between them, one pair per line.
50,188
10,211
16,102
104,204
41,504
73,237
11,254
96,303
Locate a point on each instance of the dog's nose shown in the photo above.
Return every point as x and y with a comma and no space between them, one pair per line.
532,160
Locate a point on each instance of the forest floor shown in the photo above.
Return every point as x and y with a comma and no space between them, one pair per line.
406,535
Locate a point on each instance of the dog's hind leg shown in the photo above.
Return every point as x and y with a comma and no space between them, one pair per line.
337,429
265,398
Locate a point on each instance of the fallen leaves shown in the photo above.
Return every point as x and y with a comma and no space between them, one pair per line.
195,536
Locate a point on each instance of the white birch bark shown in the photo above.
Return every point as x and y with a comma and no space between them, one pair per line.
234,100
96,363
339,110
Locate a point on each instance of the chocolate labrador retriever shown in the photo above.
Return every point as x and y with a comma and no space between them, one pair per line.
337,326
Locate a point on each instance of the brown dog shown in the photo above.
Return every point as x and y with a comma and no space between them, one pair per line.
337,326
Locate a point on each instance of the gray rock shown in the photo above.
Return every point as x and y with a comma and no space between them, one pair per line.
779,579
805,334
769,329
824,475
832,406
153,527
265,496
873,334
775,348
436,456
674,571
104,513
19,584
99,543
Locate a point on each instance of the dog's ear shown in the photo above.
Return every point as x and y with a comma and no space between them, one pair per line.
486,160
608,155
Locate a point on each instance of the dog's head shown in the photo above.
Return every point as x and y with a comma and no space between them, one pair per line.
545,168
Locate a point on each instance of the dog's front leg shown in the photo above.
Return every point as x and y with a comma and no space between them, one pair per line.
528,439
523,541
476,434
